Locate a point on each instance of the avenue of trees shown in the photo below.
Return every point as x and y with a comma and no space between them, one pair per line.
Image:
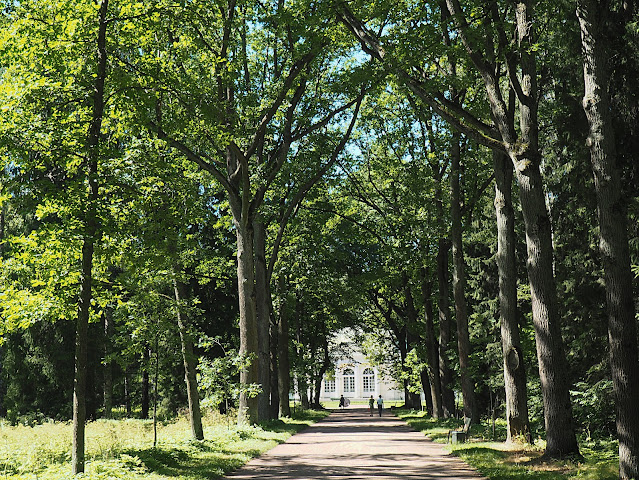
197,195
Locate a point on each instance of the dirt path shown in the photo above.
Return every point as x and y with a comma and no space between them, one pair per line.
351,445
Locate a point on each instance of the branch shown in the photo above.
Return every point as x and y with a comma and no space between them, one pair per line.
348,219
301,194
272,110
456,116
191,155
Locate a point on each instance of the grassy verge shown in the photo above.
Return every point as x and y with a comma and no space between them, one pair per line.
499,461
123,449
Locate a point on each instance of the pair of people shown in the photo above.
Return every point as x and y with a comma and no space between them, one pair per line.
380,405
344,402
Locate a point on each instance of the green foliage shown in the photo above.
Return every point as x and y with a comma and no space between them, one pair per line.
500,461
218,379
123,449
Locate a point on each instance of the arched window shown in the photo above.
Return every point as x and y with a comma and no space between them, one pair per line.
349,381
368,379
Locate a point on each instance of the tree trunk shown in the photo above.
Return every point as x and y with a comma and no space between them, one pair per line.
248,406
411,325
190,362
274,369
613,236
262,305
155,392
514,370
525,155
443,306
427,391
146,365
91,230
560,432
459,283
431,348
108,364
283,363
561,439
326,362
127,391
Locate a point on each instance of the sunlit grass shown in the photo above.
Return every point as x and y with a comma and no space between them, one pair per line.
501,461
124,448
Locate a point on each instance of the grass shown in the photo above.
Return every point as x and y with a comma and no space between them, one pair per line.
123,449
501,461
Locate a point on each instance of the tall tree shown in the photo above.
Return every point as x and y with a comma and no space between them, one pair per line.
517,419
613,238
522,147
244,133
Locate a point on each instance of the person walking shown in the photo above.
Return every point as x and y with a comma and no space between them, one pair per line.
371,405
342,401
380,405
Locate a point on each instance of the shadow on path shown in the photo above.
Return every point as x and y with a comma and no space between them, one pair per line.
350,444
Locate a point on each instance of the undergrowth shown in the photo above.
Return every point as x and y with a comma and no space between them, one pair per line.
123,449
518,461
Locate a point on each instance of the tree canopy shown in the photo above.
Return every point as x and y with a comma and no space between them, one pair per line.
214,190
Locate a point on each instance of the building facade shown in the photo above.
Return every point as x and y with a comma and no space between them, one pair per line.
357,379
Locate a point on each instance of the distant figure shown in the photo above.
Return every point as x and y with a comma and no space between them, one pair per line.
380,405
342,401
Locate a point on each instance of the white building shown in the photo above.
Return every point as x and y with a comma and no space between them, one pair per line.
356,378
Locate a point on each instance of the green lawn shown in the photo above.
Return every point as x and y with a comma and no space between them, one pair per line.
499,461
123,449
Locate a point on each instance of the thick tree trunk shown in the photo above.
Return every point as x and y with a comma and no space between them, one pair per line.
518,426
443,306
91,230
560,432
108,364
613,236
248,406
431,348
525,155
190,362
459,283
283,363
561,439
262,305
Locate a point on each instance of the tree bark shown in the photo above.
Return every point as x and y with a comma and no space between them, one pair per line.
518,426
190,361
431,348
262,305
525,155
88,243
613,236
283,363
459,283
443,307
274,373
424,376
248,406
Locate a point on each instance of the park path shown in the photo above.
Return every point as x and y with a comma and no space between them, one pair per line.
351,445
